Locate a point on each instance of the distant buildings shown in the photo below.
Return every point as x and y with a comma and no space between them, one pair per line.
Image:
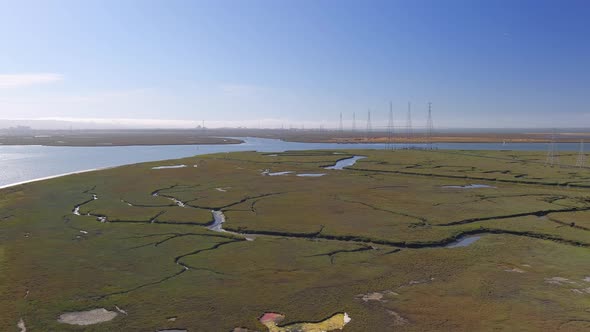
18,130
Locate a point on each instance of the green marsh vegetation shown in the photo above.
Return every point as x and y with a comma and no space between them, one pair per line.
368,240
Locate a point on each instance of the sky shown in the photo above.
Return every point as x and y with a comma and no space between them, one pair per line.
482,64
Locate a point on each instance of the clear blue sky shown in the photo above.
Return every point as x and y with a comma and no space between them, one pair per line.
481,63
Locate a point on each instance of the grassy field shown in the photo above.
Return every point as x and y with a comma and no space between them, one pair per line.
368,241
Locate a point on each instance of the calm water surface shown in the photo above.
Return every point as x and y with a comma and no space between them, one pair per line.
463,242
25,162
342,163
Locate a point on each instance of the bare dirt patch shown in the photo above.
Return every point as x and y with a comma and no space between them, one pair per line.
89,317
376,296
559,281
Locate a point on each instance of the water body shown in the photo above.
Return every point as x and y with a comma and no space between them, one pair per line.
169,167
463,242
22,163
89,317
277,173
217,225
340,164
469,186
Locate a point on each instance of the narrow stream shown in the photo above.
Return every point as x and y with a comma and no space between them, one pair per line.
469,186
219,219
76,210
176,201
269,173
217,225
463,241
169,167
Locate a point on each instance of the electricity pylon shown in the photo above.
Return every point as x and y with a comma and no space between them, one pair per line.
390,144
429,127
409,133
369,126
552,154
581,162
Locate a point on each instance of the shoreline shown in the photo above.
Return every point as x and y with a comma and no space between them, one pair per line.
110,141
115,145
52,177
340,145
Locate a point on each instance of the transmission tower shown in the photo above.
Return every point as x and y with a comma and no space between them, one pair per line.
340,128
369,126
581,162
353,121
552,154
390,145
429,127
409,133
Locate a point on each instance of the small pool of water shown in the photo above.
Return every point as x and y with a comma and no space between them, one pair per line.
89,317
469,186
269,173
342,163
169,167
463,242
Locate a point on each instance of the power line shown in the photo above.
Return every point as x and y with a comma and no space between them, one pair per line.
353,121
581,162
429,127
390,145
552,153
340,128
369,126
409,132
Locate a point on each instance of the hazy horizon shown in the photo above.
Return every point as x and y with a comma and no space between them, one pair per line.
55,125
